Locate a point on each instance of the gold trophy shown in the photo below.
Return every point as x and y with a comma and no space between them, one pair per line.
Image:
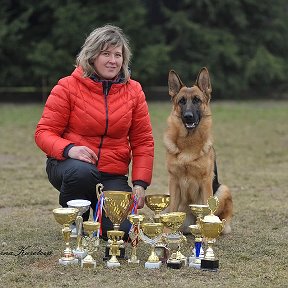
211,227
151,233
158,203
66,216
116,206
173,221
91,243
135,220
82,206
199,211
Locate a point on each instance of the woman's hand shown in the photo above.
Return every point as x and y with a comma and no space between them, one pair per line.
140,194
83,153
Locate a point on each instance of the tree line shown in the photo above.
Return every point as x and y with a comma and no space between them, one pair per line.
243,43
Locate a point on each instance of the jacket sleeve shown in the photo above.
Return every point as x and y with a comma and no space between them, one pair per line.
54,119
141,139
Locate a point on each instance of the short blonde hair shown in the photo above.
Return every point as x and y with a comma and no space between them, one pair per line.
99,39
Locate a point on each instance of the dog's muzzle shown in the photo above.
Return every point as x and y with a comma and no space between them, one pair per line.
189,120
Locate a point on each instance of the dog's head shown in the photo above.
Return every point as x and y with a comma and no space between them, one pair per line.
190,102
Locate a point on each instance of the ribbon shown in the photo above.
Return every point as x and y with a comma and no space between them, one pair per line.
98,213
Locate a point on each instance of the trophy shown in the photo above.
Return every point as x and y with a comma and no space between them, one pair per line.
66,216
211,227
151,233
116,206
82,206
135,220
91,243
157,203
173,221
199,211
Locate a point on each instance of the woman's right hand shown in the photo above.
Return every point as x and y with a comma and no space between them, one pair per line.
83,153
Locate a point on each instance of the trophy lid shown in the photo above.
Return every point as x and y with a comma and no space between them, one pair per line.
211,219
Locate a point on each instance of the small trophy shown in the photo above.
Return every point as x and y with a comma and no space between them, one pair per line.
173,221
66,216
82,206
116,206
151,233
91,243
135,220
158,203
211,227
199,211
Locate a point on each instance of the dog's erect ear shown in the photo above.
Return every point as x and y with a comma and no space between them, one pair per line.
174,83
203,82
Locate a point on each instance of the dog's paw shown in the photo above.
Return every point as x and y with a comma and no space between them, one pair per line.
227,229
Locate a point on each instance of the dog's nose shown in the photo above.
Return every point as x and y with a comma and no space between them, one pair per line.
188,116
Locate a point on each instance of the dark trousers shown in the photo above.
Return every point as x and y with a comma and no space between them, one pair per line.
75,179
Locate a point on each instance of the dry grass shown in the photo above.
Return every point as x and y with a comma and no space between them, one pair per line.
251,141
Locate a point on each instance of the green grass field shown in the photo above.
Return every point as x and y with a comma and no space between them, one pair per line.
251,141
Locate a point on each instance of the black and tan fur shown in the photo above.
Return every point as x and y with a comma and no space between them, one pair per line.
190,154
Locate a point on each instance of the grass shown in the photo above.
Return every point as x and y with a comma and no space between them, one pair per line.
251,141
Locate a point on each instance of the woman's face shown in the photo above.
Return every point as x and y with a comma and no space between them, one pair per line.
109,62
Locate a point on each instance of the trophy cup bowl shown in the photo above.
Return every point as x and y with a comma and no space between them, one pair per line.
151,234
80,204
157,203
211,227
66,216
173,221
199,210
117,206
90,227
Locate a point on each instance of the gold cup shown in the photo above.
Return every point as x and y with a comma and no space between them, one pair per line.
211,227
174,221
92,243
116,206
66,216
157,203
151,233
135,220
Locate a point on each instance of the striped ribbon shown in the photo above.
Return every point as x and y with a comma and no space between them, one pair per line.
98,213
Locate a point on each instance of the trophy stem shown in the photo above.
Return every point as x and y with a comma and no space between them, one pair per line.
68,257
209,253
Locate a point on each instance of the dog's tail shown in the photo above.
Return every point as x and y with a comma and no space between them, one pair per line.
225,208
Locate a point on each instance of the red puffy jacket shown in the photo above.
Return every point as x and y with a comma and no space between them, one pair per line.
77,112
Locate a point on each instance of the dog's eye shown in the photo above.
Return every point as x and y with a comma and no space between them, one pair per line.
196,100
182,101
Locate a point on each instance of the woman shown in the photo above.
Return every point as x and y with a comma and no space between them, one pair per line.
95,122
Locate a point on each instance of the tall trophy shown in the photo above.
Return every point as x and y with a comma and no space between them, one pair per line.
135,220
174,221
66,216
199,211
91,243
158,203
211,227
82,206
116,206
151,233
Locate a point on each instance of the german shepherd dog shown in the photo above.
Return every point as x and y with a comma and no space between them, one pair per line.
190,154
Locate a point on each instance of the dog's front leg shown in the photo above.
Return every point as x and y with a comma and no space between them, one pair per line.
174,191
206,190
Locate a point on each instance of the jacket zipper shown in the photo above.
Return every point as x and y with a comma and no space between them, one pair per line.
106,89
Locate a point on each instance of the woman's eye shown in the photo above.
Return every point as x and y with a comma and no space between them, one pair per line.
182,101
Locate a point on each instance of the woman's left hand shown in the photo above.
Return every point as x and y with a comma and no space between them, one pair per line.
140,194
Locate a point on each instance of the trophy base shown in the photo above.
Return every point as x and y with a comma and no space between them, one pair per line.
79,254
195,265
65,262
162,252
113,264
174,264
107,255
133,261
153,265
90,264
212,265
